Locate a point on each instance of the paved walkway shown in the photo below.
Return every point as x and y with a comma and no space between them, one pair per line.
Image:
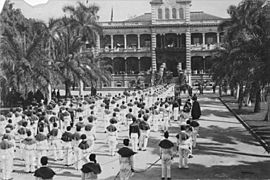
225,150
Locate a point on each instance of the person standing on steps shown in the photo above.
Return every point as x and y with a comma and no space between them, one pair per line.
126,161
166,155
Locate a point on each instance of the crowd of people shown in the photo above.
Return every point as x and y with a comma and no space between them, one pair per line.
66,131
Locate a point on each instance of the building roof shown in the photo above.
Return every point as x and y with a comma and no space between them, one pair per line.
194,16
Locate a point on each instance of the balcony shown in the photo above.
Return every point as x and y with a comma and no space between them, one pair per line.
204,47
171,49
121,52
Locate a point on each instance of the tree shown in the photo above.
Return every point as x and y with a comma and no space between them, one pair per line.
23,58
245,39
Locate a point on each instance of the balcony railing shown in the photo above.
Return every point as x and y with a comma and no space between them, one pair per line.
117,50
204,47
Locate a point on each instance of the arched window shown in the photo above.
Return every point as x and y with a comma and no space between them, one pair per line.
181,13
159,13
174,13
167,13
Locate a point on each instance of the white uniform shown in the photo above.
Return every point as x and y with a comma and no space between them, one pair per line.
112,138
42,147
6,156
56,144
29,147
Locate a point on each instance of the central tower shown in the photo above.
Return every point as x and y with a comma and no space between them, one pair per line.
170,33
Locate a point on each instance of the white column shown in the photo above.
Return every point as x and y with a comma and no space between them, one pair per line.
203,38
188,55
125,65
49,97
111,41
125,41
187,13
154,44
139,42
218,38
98,44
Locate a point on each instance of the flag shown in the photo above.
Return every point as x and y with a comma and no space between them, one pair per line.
112,14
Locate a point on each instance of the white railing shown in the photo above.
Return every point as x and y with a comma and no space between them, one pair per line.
204,47
116,50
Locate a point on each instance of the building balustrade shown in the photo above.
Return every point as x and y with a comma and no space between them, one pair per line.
116,50
204,47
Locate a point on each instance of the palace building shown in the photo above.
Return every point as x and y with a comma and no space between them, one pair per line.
170,34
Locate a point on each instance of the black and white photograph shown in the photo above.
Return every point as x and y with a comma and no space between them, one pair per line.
134,89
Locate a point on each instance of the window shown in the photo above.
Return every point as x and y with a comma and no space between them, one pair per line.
159,13
167,13
174,13
210,40
196,40
181,13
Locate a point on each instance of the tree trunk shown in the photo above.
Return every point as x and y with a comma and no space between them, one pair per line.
49,95
81,88
67,87
267,117
257,107
232,91
220,90
241,96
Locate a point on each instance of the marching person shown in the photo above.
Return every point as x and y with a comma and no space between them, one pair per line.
195,131
144,133
134,134
126,161
90,132
76,138
155,117
29,147
112,137
67,138
183,147
166,154
129,116
42,145
84,151
44,172
91,169
55,135
175,108
22,135
6,156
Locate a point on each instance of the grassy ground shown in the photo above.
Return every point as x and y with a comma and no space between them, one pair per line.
254,120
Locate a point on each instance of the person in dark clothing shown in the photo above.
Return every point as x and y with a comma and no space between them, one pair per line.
214,89
58,94
196,109
44,172
92,169
190,91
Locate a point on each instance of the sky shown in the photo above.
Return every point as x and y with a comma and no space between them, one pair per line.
122,9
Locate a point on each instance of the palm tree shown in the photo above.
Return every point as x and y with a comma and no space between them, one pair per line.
245,37
84,18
